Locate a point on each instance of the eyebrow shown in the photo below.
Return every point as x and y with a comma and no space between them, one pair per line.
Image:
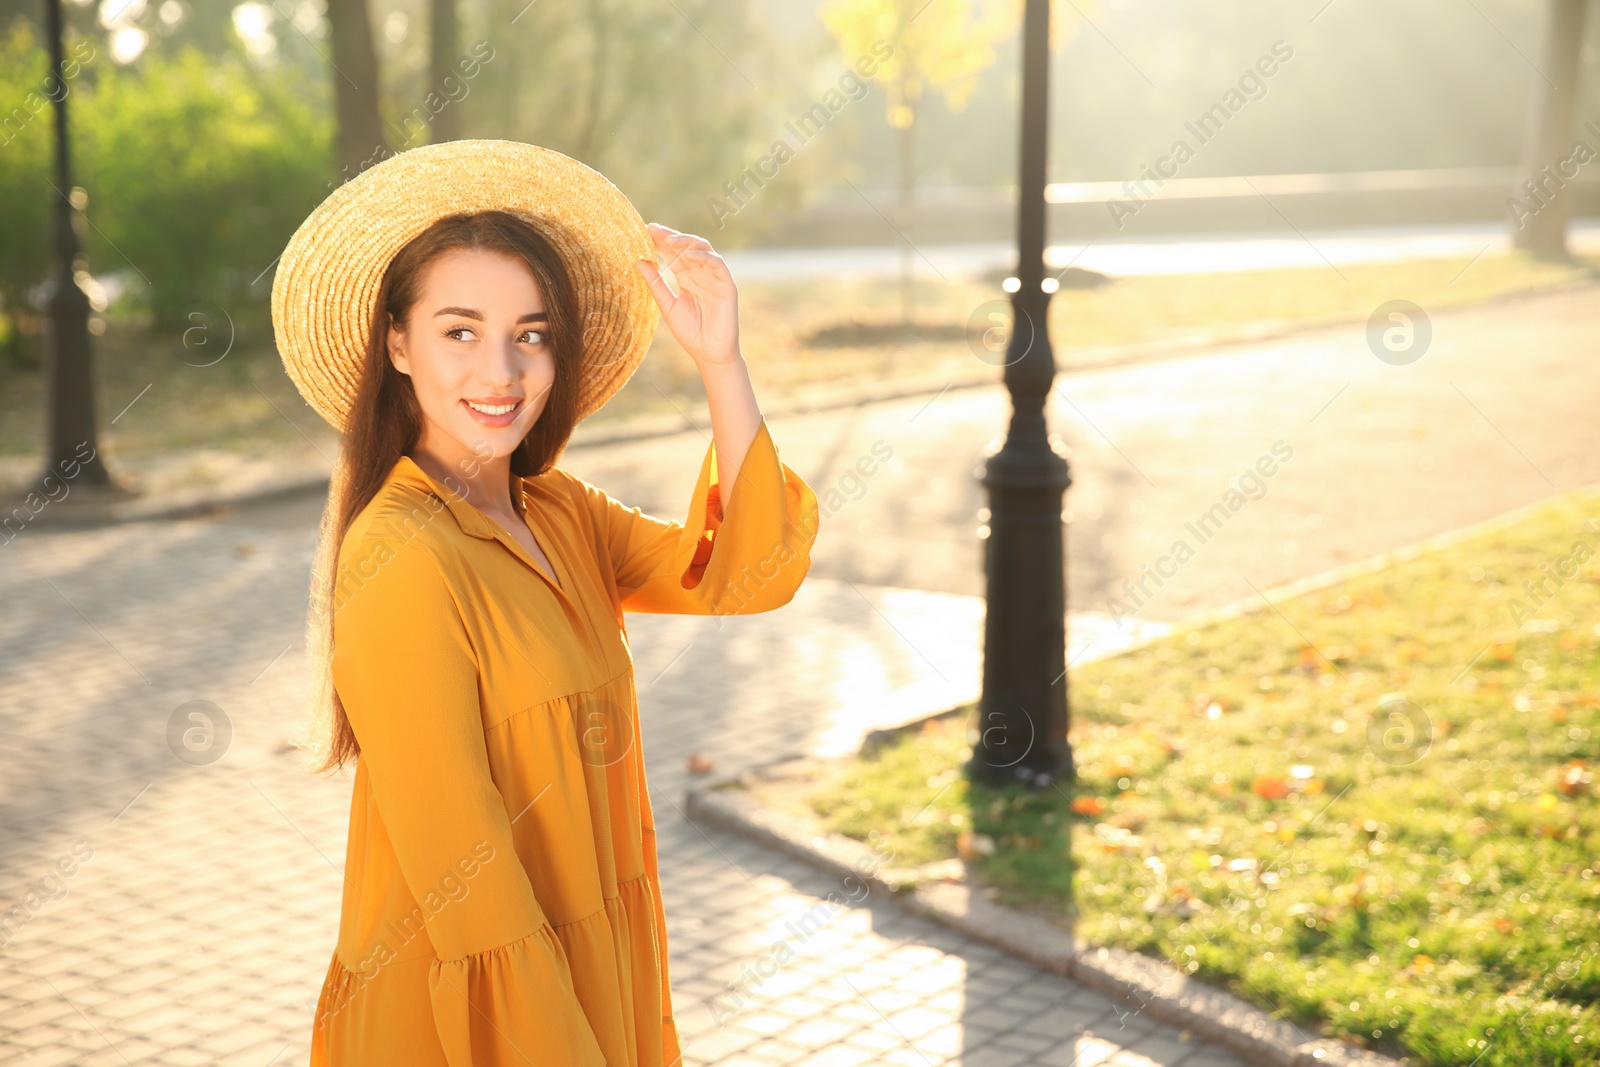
473,313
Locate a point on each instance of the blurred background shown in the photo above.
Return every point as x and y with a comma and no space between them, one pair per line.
203,133
1324,307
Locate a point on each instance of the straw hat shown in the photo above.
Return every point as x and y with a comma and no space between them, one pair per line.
327,280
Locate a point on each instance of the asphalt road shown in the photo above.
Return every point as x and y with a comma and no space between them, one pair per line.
1181,254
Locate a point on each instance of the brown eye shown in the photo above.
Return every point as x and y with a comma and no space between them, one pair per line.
455,333
537,337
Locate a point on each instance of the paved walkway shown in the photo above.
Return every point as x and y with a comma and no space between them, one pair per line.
202,901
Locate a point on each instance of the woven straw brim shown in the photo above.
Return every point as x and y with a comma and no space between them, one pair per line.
327,280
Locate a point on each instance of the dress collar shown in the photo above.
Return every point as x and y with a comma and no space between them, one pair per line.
473,522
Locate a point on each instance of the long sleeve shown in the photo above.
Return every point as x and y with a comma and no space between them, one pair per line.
500,989
749,558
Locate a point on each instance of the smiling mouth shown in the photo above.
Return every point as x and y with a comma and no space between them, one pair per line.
494,409
497,414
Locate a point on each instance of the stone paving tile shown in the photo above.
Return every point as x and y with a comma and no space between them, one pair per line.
1163,1045
1208,1055
838,1056
1032,1044
1060,1023
202,904
1089,1050
994,1056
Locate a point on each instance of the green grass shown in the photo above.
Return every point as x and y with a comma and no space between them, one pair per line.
797,336
1369,811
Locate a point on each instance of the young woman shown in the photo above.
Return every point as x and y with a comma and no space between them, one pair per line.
454,311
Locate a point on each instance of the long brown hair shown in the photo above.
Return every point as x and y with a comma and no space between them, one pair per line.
385,423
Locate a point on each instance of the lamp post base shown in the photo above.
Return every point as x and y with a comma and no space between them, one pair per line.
1022,716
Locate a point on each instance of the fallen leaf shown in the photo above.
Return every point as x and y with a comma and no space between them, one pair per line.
970,845
1089,806
1269,788
1574,778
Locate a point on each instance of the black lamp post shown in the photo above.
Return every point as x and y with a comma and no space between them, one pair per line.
70,426
1022,716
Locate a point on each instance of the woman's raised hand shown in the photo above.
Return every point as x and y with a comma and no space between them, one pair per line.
704,314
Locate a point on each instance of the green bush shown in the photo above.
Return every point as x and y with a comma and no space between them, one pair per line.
198,171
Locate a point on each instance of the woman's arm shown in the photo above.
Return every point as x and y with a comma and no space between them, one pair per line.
745,557
704,317
741,552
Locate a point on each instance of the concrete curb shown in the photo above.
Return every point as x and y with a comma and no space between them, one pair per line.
1151,986
80,509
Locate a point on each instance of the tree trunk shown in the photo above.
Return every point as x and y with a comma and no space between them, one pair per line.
1540,201
905,210
444,46
355,88
600,35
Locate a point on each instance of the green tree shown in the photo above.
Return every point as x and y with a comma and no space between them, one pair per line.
198,172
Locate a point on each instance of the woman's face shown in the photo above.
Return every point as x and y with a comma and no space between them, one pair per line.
476,347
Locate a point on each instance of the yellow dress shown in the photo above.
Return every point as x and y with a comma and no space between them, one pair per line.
501,900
